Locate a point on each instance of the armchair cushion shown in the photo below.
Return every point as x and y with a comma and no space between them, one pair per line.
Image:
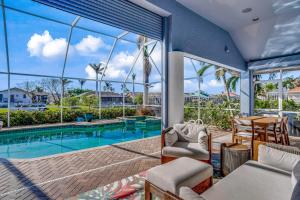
277,158
186,149
195,133
171,137
187,193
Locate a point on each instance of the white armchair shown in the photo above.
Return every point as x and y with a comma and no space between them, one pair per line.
186,140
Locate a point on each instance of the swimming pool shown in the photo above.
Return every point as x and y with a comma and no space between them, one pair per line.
40,142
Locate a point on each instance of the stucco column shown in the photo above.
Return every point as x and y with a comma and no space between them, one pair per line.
176,88
247,97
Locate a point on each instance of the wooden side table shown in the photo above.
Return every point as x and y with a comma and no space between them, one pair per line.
233,155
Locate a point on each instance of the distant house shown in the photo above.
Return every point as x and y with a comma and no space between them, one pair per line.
194,96
107,98
19,96
294,94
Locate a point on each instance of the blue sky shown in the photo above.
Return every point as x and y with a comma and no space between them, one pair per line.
38,46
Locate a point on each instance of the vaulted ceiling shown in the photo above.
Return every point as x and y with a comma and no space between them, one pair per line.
259,28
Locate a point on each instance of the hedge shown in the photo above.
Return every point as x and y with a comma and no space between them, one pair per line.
22,118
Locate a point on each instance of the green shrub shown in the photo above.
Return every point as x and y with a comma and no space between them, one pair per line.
212,114
22,118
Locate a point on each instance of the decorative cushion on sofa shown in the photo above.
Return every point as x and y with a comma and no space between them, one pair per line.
187,193
171,138
196,133
289,149
277,158
182,131
186,149
296,174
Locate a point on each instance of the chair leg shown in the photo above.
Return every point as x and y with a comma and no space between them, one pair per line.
275,136
148,195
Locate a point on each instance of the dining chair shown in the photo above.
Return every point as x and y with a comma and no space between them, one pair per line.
242,131
284,131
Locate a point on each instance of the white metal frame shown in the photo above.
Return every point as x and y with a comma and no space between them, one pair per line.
279,81
98,81
200,78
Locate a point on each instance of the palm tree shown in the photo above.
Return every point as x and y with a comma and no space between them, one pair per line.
220,74
64,83
133,87
81,82
288,83
99,71
108,87
146,66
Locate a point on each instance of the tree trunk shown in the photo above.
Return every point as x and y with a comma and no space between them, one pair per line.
133,93
97,85
227,94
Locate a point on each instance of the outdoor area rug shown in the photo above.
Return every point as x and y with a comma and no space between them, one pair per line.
132,188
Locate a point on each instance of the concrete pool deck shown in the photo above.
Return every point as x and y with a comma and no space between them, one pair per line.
66,175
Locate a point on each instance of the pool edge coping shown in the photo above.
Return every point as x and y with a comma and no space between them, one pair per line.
74,152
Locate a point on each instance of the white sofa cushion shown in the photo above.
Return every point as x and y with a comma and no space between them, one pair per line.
296,174
252,181
178,173
171,137
187,193
277,158
186,149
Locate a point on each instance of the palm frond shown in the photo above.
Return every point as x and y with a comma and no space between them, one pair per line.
232,83
203,69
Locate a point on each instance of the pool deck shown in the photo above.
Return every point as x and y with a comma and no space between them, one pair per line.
66,175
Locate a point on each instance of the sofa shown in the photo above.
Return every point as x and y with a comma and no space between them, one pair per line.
273,174
186,140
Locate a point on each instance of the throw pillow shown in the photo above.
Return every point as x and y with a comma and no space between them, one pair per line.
182,130
277,158
171,137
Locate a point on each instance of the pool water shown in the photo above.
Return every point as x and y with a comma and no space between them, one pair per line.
40,142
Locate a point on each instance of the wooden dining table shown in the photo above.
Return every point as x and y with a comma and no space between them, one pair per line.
263,121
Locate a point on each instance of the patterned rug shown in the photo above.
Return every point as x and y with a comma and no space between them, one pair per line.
132,188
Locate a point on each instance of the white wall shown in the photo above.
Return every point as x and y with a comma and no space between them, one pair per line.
176,88
18,96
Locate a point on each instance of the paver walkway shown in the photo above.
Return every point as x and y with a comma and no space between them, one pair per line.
67,175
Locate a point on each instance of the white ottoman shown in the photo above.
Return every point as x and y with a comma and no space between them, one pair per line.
169,177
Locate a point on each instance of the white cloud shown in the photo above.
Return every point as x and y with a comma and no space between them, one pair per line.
117,68
45,46
90,44
156,88
90,72
215,83
190,86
